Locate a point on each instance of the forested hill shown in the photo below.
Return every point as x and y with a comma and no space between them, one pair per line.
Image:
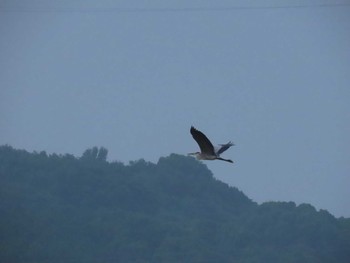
59,208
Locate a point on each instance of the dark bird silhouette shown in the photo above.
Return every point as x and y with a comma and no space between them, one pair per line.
208,151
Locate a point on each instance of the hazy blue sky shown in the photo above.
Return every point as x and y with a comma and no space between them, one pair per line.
133,77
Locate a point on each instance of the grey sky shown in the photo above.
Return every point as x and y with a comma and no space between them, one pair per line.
276,81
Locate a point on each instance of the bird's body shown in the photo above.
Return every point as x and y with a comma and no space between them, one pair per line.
208,151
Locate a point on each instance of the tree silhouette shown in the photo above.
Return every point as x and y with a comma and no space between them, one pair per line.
57,208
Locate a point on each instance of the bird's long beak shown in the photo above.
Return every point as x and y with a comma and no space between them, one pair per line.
191,154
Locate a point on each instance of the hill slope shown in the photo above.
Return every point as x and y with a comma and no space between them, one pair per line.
66,209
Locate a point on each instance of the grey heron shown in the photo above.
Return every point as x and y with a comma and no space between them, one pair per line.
208,151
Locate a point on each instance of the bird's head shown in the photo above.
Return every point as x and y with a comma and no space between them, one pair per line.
193,154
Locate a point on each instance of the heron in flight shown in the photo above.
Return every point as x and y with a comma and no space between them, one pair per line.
208,151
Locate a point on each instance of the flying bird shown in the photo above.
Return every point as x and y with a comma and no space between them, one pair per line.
208,151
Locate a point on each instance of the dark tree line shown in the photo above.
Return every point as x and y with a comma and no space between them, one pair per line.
95,153
59,208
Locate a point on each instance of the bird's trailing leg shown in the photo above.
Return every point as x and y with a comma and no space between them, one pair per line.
226,160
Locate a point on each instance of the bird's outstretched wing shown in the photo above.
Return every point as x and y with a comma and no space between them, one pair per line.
204,144
224,147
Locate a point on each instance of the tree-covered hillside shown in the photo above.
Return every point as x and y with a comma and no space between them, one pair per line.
56,208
